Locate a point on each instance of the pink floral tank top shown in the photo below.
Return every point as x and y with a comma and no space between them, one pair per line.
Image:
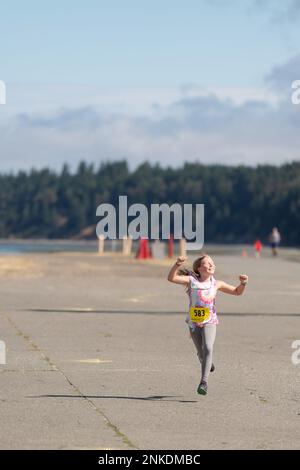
202,297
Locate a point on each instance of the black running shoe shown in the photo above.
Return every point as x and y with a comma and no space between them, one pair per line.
212,367
202,388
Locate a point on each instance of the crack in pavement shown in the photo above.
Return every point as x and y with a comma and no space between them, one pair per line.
55,368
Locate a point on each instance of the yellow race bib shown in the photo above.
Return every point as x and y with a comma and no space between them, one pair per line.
199,314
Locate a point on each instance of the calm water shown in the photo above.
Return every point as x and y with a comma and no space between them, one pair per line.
52,246
45,246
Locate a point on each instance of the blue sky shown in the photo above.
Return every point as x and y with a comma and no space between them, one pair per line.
81,71
142,43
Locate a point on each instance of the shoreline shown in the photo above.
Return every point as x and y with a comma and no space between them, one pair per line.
32,247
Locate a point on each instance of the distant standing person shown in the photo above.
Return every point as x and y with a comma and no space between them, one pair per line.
274,239
257,248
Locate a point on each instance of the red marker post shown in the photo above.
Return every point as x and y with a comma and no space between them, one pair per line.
144,249
171,247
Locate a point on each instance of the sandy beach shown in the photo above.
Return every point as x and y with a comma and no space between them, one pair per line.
98,356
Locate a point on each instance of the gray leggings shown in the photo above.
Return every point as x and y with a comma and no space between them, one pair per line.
204,339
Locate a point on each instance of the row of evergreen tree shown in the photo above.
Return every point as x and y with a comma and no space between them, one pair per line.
241,203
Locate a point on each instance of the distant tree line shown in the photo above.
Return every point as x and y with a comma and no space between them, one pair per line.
241,203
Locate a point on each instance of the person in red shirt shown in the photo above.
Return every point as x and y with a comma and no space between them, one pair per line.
257,248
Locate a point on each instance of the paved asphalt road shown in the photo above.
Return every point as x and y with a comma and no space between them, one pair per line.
98,356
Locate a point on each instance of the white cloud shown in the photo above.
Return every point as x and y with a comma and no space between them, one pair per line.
228,126
282,76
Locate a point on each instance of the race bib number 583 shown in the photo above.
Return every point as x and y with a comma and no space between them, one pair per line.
199,314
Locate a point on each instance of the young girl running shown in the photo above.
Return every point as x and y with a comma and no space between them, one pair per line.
202,320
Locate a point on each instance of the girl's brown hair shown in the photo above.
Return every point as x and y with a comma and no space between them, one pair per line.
196,265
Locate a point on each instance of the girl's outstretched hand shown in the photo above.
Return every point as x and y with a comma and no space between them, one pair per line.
173,275
243,278
181,260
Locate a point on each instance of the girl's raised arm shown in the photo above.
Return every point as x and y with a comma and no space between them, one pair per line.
228,289
178,278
